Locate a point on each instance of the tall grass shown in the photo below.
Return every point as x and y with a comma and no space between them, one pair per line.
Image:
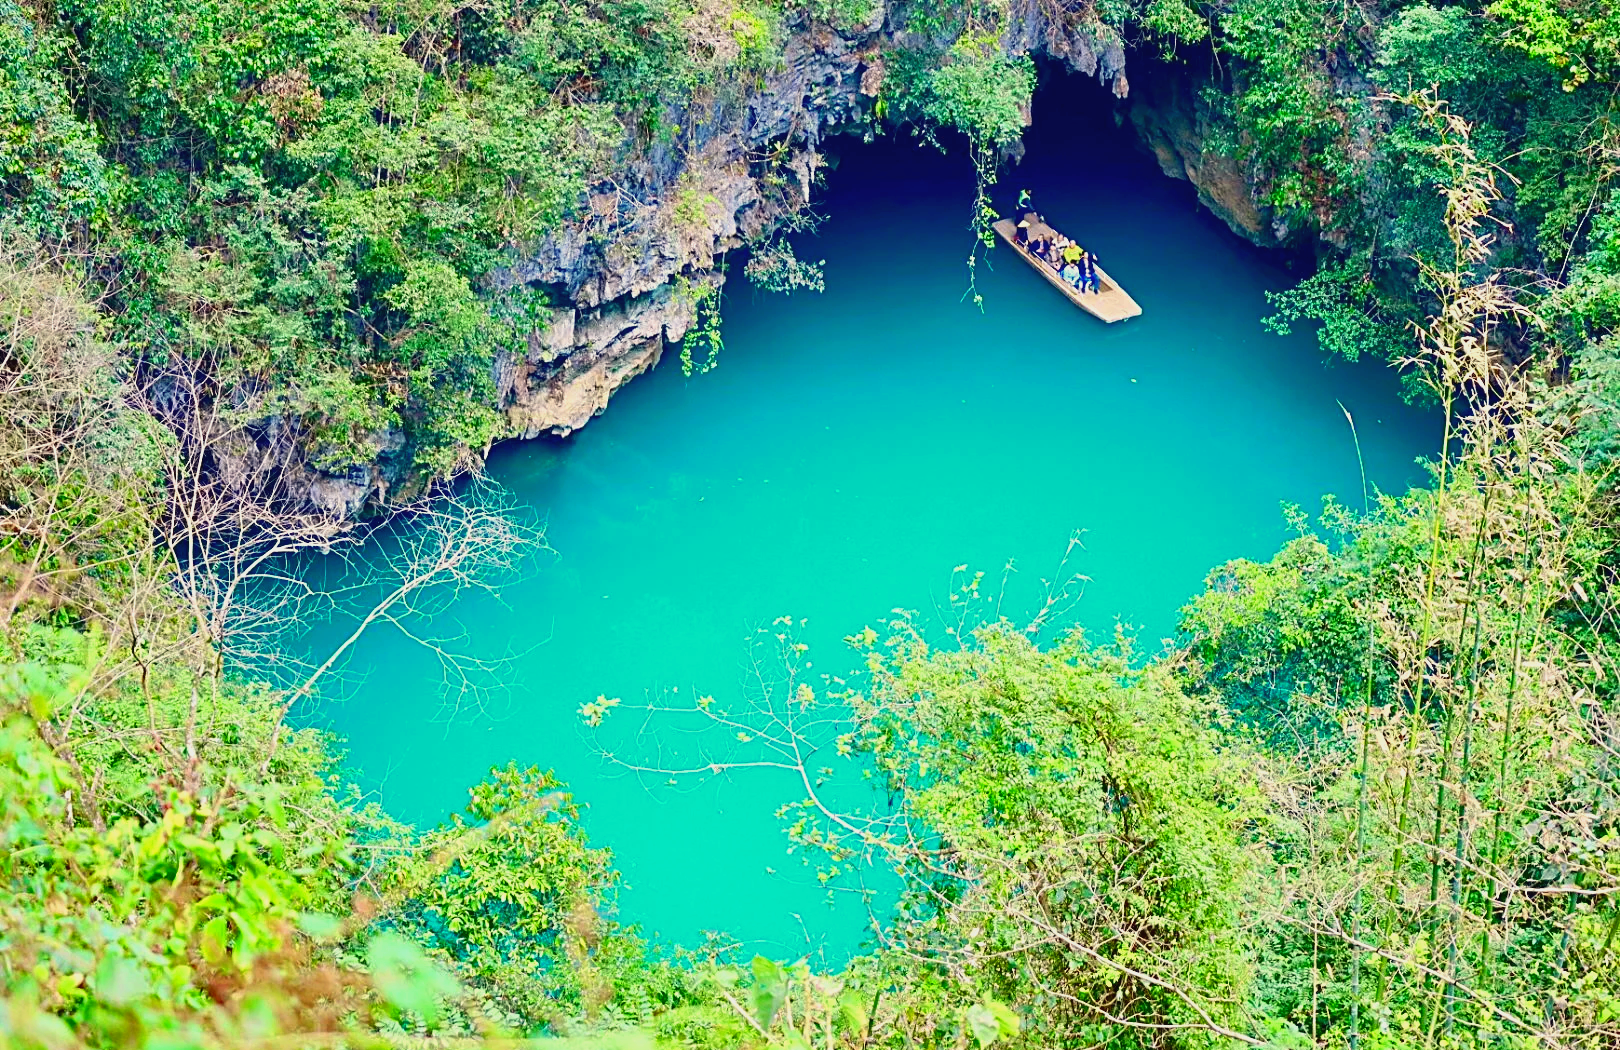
1458,850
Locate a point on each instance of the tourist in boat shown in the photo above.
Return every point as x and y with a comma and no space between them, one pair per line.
1067,265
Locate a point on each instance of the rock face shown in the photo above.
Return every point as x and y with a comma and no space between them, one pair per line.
1175,122
266,458
672,212
626,274
1088,48
669,216
582,357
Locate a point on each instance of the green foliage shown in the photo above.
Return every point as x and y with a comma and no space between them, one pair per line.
1589,407
980,92
1353,316
51,172
1368,800
1590,303
1290,121
130,934
109,935
309,199
1176,21
406,980
1578,38
776,268
172,853
975,89
507,894
1440,46
1076,809
1280,638
839,13
704,297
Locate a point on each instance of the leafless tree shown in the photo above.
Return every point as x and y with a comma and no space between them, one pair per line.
145,500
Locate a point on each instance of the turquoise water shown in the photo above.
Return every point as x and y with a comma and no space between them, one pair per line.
848,452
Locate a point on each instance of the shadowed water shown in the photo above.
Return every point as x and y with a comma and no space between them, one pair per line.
849,451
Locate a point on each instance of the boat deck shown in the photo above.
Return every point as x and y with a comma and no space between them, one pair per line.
1109,303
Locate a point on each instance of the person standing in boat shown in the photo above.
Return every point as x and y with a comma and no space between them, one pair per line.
1091,272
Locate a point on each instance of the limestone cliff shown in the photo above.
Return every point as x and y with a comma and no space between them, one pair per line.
611,268
745,159
1175,121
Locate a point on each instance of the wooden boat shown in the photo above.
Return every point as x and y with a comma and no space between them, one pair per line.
1108,303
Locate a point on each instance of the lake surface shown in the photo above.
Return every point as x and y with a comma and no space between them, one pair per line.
850,450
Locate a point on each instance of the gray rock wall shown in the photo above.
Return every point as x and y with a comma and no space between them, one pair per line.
1174,120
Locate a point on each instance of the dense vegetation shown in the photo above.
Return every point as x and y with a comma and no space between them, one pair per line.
1370,801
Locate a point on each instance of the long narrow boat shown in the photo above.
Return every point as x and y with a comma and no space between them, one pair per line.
1109,302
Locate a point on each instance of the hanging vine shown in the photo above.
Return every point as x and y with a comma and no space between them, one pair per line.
980,91
704,335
